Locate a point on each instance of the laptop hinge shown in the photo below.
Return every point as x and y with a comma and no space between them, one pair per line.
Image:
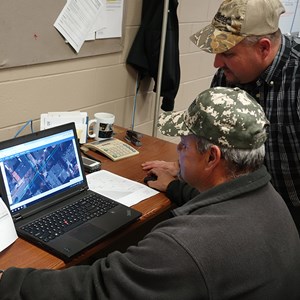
17,217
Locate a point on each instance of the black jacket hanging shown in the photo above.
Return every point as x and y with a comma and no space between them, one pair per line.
145,50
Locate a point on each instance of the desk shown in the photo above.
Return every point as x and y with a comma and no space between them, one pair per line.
24,254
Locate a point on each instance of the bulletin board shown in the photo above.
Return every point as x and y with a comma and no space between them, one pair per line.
27,35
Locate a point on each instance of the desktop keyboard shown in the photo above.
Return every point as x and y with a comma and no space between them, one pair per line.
53,225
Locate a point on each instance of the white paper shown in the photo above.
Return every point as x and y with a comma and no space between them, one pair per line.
112,18
118,188
100,23
80,119
76,20
8,232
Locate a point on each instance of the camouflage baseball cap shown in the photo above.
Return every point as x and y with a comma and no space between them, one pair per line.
228,117
237,19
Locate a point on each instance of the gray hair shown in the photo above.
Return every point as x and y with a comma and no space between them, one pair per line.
253,39
239,161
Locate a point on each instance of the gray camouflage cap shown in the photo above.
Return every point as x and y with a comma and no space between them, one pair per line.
237,19
228,117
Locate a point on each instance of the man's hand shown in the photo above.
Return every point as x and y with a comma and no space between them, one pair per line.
162,181
171,167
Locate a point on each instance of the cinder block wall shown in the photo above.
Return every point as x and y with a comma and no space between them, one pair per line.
105,82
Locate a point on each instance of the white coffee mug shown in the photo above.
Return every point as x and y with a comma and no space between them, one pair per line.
102,126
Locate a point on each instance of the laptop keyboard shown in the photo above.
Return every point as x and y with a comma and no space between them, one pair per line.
66,218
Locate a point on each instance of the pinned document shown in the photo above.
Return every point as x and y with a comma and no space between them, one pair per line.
76,20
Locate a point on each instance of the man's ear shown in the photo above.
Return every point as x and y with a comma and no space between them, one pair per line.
264,47
214,157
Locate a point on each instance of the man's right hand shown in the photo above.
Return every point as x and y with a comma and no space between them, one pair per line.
162,181
171,167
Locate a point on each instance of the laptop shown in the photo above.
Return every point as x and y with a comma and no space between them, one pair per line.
42,180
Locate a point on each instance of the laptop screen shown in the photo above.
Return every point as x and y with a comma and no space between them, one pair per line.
34,170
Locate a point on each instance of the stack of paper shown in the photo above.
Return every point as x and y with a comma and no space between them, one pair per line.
80,119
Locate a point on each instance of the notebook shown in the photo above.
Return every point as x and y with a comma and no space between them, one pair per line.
42,174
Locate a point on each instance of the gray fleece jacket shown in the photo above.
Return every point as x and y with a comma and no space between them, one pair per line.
235,241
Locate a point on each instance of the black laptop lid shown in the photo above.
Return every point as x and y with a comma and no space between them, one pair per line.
40,169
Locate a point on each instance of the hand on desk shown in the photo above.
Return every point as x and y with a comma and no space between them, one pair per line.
172,167
163,171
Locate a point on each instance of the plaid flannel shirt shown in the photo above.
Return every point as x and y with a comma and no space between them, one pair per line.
278,91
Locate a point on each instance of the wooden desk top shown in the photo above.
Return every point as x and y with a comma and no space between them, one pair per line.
24,254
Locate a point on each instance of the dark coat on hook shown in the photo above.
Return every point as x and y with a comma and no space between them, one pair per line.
145,50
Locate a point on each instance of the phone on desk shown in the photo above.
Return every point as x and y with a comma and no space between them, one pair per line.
114,149
90,165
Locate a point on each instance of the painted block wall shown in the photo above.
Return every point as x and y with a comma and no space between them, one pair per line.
105,82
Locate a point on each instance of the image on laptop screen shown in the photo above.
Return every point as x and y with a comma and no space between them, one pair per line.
41,168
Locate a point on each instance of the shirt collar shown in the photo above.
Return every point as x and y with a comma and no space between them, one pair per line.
273,72
226,191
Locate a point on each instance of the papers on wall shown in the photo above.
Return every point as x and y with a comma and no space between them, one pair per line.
82,20
8,232
109,21
118,188
112,20
76,20
80,119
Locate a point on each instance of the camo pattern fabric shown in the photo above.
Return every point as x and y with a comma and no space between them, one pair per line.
227,117
224,32
212,40
237,19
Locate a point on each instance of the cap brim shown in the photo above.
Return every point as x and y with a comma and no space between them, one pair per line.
172,124
212,40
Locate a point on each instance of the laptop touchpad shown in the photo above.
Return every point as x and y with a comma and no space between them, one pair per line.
87,233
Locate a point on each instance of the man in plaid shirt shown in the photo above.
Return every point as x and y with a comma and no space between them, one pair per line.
252,54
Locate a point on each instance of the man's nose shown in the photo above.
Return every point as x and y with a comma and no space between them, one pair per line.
218,63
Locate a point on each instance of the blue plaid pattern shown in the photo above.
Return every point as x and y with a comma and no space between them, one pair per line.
278,92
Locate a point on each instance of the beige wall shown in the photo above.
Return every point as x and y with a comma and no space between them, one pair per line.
105,83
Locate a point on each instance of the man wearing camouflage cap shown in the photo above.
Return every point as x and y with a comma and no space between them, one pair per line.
251,53
237,211
227,117
229,242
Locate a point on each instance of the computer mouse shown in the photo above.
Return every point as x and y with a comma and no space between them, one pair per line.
150,177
